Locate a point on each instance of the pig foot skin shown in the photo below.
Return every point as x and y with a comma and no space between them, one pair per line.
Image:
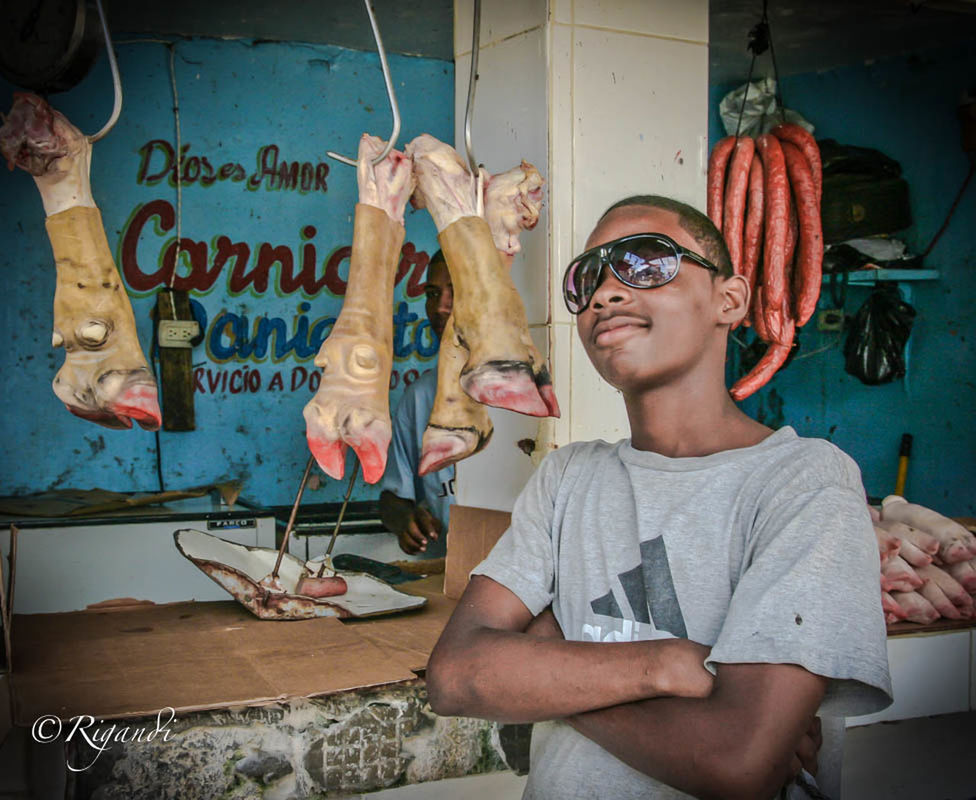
458,426
105,377
504,369
916,607
351,407
513,201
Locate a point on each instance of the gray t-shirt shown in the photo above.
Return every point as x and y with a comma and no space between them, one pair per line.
766,554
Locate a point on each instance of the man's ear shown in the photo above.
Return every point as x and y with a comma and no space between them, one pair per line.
733,299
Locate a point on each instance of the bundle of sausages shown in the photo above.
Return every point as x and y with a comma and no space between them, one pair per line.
928,563
764,196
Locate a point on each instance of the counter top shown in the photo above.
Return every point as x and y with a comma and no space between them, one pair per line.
132,660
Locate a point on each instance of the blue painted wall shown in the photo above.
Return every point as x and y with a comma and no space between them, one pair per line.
236,100
906,108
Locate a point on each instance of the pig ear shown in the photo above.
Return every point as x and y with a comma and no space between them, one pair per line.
732,296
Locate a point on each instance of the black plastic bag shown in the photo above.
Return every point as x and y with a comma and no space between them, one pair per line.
847,159
874,352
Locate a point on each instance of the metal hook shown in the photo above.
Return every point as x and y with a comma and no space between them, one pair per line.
472,80
389,91
117,84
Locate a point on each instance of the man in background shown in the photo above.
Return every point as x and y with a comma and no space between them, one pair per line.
416,508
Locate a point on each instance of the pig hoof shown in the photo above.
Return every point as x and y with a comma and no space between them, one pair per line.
445,446
139,403
330,454
100,417
508,384
369,436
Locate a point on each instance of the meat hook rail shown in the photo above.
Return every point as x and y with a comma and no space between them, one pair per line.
291,519
389,91
472,81
116,83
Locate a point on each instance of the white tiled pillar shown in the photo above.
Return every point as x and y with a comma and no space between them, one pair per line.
628,100
607,98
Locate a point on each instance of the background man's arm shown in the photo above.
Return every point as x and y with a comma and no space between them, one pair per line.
486,665
412,524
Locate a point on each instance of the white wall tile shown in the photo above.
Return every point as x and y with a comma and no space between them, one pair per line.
641,113
560,364
929,675
494,477
597,409
510,123
499,20
561,11
530,271
683,19
511,104
560,162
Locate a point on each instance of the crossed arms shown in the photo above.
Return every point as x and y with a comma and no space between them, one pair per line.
651,704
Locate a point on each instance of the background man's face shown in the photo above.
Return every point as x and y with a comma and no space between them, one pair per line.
440,296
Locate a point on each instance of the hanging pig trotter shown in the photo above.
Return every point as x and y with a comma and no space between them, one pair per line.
458,426
105,377
503,369
351,407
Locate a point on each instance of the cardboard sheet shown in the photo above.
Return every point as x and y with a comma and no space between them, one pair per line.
189,656
410,636
472,533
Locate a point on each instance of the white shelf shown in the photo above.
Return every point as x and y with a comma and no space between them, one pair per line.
869,277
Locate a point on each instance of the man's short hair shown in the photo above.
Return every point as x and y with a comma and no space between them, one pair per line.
701,228
438,257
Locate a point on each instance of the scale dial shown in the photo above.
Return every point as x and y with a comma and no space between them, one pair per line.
47,45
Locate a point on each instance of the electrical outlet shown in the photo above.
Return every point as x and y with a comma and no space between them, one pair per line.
178,332
830,319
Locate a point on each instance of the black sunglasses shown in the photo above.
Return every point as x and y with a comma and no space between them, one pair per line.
642,261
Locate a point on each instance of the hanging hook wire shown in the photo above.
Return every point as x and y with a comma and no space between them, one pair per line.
117,83
389,91
472,82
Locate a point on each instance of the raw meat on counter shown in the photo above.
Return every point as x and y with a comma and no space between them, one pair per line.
503,367
928,563
955,542
459,426
914,608
352,407
105,377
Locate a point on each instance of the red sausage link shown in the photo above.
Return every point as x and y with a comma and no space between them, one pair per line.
733,216
802,138
809,258
760,375
759,314
779,322
717,163
792,235
752,240
777,194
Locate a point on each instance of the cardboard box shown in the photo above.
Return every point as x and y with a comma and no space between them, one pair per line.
130,659
472,532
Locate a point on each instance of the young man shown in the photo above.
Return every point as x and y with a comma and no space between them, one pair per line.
414,508
715,581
